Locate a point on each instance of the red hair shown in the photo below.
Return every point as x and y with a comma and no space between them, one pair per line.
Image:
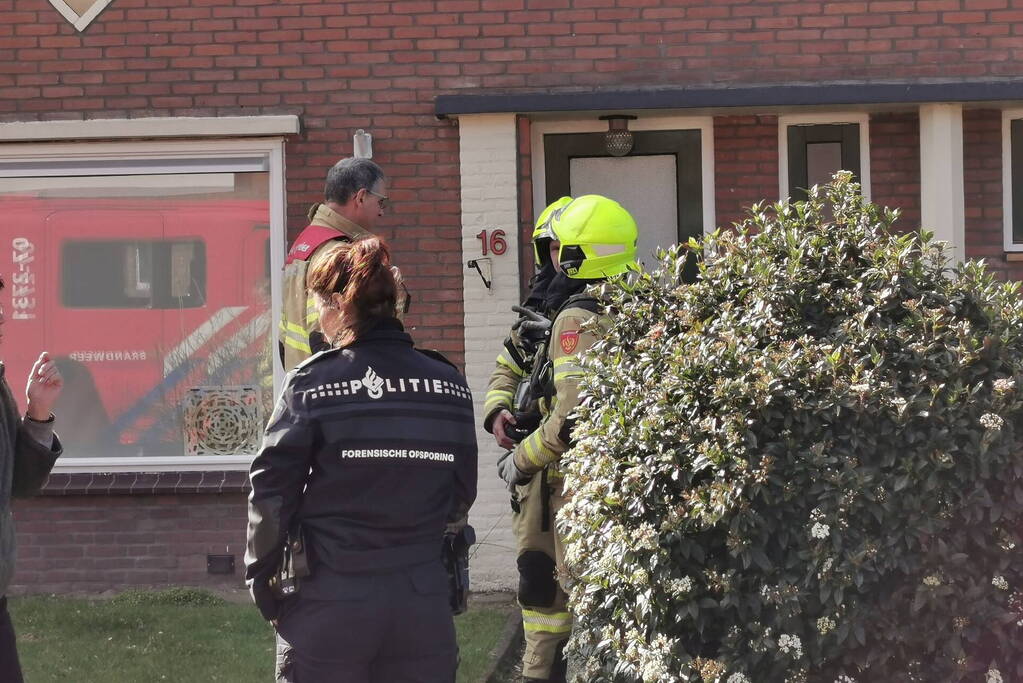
361,273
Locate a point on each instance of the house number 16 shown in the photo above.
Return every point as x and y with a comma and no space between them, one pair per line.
494,241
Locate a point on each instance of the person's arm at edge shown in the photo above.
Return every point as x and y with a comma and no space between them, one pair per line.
277,476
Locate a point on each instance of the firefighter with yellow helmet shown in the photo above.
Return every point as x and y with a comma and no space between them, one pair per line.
589,239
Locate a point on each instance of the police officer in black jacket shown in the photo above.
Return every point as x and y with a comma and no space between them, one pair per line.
369,457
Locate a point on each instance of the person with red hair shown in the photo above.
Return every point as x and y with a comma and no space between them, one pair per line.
368,459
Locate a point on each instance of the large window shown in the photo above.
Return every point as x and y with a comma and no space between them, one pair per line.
813,147
143,271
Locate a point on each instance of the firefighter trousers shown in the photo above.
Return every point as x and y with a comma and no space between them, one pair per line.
546,621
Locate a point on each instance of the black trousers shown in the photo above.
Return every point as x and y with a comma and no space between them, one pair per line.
393,627
10,668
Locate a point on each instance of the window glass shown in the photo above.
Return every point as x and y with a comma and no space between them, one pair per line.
816,151
152,293
822,160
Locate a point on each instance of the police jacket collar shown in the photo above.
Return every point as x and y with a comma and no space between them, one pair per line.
383,330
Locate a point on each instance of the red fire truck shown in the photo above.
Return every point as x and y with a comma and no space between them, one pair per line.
140,302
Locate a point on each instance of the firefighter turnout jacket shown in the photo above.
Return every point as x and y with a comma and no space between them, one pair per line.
514,364
299,333
371,449
568,340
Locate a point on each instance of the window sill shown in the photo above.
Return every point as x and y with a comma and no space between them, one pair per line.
152,127
144,483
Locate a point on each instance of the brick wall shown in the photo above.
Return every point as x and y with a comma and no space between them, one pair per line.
489,156
97,543
895,165
745,164
982,184
378,65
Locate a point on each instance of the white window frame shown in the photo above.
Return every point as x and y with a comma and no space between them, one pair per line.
823,119
591,124
134,153
1008,116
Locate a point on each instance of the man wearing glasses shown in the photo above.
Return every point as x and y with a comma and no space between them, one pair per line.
354,200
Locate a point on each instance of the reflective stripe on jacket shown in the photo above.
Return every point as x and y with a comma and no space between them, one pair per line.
552,438
372,448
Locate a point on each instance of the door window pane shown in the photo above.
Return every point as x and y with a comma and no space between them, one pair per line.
645,185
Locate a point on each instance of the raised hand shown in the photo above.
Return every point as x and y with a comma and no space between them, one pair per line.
43,388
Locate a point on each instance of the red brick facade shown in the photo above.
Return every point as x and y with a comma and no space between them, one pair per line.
895,165
745,164
96,543
982,170
339,66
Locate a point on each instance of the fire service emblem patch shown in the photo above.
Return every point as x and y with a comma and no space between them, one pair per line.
569,340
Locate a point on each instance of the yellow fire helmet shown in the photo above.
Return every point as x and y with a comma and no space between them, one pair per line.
598,238
542,234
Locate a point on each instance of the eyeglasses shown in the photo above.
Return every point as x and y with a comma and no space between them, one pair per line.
382,197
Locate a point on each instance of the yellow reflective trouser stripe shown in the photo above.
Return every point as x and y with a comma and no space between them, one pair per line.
503,359
558,622
537,451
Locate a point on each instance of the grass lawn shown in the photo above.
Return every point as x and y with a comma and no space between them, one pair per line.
177,635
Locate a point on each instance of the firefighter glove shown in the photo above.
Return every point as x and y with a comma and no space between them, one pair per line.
531,325
510,473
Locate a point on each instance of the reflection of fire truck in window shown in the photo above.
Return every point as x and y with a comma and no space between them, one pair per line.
139,301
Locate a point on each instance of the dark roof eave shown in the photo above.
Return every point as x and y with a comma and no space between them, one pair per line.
737,96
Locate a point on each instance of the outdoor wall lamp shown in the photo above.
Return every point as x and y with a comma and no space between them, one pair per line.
618,138
362,145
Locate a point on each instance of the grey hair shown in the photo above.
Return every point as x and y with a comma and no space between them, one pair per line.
348,176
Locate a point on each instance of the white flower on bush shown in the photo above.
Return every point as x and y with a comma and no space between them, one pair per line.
1005,385
842,678
991,421
640,577
680,586
737,678
790,644
646,537
826,567
820,530
653,669
816,515
932,580
993,676
825,625
1000,583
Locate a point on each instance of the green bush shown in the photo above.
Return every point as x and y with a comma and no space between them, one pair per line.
805,466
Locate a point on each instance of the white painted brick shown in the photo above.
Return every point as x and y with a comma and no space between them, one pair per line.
489,182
